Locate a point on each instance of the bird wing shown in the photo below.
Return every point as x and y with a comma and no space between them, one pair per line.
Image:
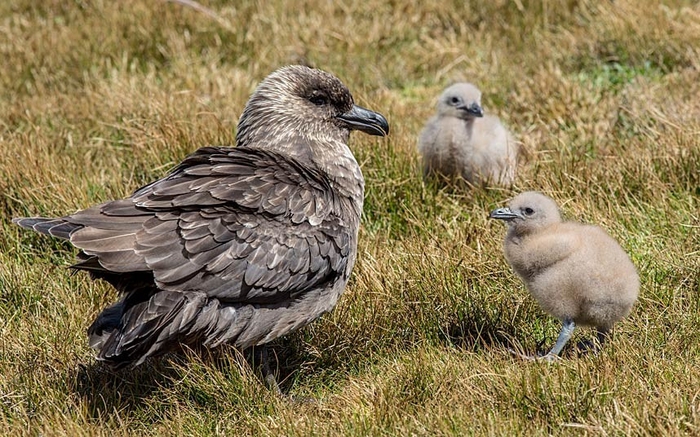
551,246
239,224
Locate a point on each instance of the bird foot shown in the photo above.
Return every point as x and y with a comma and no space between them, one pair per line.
589,347
550,358
265,366
271,382
521,355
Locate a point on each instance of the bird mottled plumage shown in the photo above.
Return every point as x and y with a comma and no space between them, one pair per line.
460,142
236,245
576,272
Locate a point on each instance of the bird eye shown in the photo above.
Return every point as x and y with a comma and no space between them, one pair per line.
454,100
529,211
319,99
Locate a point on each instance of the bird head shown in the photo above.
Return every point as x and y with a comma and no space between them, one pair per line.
528,212
461,100
301,102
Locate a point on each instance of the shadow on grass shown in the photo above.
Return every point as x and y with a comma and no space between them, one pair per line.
107,390
484,333
481,330
227,378
202,379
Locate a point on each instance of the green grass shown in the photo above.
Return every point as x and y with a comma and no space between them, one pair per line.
98,98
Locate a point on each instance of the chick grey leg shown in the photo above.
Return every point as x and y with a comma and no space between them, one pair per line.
564,335
594,346
602,336
567,330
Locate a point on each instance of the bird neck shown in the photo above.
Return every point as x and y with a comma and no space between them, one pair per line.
344,173
469,124
325,150
534,251
520,259
517,237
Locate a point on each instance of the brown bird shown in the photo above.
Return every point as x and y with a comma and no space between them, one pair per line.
577,272
460,142
236,245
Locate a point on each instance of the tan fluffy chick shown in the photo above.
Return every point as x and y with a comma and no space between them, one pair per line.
576,272
460,142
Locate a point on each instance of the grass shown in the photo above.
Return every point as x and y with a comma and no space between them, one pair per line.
98,98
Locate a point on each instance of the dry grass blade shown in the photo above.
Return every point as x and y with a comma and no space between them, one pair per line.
98,98
204,10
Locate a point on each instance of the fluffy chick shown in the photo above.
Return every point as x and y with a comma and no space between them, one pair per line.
576,272
460,142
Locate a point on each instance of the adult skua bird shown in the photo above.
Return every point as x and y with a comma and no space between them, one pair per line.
236,245
577,272
461,142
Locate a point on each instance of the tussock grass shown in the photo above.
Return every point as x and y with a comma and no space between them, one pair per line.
98,98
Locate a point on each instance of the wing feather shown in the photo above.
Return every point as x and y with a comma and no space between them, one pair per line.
239,225
228,235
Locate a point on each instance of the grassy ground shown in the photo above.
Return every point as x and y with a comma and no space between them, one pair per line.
99,97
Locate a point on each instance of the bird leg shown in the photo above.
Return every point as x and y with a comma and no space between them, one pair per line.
564,335
567,330
261,357
602,335
594,346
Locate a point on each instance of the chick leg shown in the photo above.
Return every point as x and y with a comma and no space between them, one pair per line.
567,330
594,346
602,335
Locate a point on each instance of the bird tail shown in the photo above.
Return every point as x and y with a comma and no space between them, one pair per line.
56,227
140,326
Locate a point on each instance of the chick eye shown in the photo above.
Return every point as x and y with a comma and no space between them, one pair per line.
454,100
319,99
528,211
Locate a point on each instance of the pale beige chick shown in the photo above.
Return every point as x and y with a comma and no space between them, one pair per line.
576,272
460,142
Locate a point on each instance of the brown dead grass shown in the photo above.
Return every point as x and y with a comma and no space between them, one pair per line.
98,98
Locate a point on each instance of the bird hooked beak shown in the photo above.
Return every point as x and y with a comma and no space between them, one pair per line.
504,214
369,122
474,109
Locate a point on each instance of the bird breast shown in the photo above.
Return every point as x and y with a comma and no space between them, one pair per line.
532,254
